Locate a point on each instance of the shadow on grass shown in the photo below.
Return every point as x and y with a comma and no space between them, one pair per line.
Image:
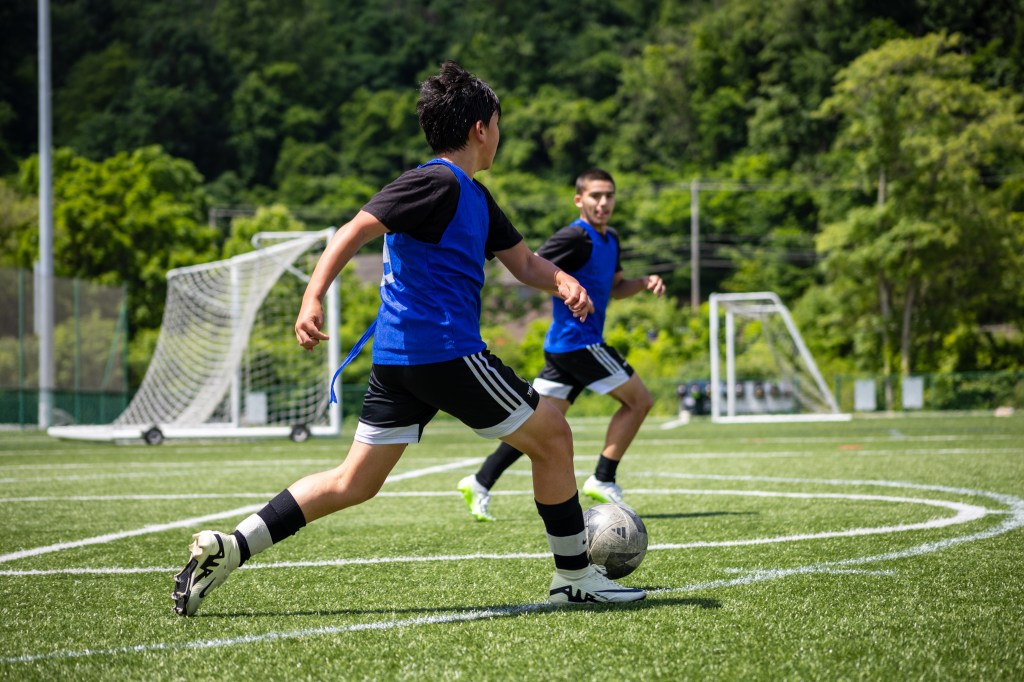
492,611
696,515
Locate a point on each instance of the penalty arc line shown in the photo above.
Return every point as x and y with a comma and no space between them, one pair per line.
1013,521
965,513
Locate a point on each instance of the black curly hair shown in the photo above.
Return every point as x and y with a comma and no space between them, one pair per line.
450,104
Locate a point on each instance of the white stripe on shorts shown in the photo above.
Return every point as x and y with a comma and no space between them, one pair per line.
601,355
493,383
552,389
509,425
384,435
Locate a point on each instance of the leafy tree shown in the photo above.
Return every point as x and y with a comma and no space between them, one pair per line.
18,215
939,248
125,220
276,218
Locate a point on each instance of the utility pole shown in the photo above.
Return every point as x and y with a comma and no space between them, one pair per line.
694,246
44,281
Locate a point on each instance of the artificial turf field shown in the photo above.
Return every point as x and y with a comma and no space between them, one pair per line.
878,549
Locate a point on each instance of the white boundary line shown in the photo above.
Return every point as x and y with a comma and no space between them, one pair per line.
965,513
195,521
1013,519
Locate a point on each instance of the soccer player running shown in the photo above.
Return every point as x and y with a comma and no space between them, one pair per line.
576,354
439,225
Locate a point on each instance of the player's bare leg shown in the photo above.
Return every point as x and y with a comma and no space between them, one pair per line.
214,555
546,438
354,481
635,402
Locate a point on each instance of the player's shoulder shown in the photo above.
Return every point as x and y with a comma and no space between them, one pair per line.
431,173
571,232
613,233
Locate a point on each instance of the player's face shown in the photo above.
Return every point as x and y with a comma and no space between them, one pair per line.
596,203
491,142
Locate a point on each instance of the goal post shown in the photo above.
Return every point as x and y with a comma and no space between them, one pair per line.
787,379
226,363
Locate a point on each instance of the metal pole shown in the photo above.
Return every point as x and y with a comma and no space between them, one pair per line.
44,292
716,392
334,344
694,246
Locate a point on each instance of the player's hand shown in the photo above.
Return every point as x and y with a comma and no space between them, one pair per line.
308,324
575,297
654,285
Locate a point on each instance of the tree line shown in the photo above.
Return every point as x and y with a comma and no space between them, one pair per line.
863,159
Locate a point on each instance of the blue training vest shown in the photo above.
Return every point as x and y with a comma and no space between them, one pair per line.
566,332
430,293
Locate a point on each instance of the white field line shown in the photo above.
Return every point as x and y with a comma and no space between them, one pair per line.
457,617
841,453
965,513
111,537
166,465
838,440
1013,521
769,440
195,521
165,469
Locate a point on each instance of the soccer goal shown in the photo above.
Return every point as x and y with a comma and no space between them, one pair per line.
226,362
770,375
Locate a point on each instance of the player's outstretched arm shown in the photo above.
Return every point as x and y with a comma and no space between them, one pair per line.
540,273
624,288
338,252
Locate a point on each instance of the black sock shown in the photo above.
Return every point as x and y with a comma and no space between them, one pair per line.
283,516
566,535
605,471
496,463
243,547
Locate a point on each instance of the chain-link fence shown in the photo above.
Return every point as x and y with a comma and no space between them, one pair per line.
90,351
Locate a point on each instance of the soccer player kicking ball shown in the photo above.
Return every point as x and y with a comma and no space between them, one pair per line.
576,354
439,224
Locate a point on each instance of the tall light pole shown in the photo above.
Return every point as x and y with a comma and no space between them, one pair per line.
44,272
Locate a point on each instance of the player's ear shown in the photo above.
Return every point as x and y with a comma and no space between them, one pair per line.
478,130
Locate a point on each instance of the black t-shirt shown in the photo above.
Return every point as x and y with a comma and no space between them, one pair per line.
570,248
422,202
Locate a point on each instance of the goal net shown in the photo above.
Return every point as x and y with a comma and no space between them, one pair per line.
769,373
226,362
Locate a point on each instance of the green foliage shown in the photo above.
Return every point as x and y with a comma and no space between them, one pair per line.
125,220
276,218
310,105
915,265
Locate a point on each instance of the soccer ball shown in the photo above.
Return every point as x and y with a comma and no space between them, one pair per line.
616,538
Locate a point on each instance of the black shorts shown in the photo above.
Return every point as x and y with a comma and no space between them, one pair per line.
478,390
598,367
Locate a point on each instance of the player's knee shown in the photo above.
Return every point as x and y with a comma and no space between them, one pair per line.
640,400
352,491
646,402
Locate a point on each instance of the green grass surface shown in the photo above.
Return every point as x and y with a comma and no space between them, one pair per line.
878,549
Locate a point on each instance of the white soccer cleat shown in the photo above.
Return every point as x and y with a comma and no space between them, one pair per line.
214,556
592,588
477,498
602,491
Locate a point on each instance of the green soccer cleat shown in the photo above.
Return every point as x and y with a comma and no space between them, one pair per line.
477,498
602,491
